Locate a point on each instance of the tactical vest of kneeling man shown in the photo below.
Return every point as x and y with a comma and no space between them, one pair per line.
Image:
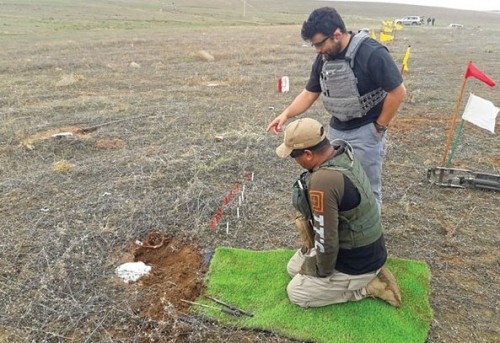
359,226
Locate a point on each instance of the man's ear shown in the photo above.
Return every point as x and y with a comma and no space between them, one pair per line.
337,35
309,154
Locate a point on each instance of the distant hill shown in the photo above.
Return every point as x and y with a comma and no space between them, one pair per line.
444,16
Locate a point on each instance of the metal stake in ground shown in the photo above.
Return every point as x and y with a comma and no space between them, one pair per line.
224,309
246,313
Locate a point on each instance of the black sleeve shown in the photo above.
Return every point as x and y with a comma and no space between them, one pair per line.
313,84
384,71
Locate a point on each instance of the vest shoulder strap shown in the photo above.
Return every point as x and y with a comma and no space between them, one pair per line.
354,45
342,161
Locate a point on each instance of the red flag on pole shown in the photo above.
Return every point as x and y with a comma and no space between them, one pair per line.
478,74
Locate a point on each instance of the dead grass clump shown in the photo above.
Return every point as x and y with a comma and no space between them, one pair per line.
66,80
114,143
121,107
205,56
62,167
5,149
449,228
70,79
239,80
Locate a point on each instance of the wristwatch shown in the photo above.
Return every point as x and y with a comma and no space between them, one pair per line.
380,128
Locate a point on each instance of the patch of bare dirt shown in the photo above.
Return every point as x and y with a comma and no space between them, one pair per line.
178,269
65,132
177,273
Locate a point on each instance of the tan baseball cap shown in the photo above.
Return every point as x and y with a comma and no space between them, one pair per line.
301,134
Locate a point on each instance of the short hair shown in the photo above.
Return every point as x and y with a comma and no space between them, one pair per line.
323,20
320,147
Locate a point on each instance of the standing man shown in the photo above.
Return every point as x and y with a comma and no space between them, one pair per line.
344,252
360,85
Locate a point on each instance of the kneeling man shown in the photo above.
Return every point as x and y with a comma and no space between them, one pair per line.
344,252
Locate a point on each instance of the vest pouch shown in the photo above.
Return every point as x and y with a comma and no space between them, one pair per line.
344,108
334,69
344,223
340,93
300,199
353,235
339,82
345,234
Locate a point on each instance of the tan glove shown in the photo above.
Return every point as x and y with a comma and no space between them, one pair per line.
306,233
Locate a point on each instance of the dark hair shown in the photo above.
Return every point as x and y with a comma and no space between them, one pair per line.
323,20
318,148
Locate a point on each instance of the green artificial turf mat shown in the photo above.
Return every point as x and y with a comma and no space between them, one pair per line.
256,281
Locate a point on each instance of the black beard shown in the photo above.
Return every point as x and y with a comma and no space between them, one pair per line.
329,57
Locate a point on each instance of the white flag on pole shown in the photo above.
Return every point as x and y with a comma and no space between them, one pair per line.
481,112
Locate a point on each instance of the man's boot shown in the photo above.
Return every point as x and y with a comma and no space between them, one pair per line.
385,287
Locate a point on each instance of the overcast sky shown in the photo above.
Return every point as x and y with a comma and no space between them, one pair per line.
478,5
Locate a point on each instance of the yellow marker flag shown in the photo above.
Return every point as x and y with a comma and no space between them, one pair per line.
398,27
387,29
406,58
385,38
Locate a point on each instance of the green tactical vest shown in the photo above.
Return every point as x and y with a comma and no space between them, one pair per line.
359,226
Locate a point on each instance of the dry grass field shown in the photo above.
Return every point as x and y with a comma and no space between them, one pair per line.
137,106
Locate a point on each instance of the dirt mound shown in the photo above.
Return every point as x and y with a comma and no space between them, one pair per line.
177,273
66,132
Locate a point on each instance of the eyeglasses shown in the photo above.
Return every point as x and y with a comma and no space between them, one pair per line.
320,43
